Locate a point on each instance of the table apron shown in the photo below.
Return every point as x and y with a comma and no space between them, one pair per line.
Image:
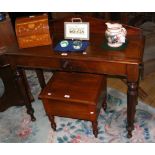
67,64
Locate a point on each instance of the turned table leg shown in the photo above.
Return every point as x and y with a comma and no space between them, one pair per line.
104,104
132,95
141,93
24,93
53,124
27,85
95,128
41,78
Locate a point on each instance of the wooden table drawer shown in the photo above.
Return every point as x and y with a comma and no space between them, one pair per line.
93,66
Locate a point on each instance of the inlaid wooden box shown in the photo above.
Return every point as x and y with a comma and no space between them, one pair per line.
32,31
75,95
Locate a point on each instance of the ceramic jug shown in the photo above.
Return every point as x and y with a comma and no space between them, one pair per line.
115,34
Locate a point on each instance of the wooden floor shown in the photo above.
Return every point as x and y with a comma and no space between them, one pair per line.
148,85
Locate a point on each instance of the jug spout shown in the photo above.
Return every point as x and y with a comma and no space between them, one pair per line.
109,25
113,26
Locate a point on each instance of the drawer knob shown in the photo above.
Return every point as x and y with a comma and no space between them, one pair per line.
65,64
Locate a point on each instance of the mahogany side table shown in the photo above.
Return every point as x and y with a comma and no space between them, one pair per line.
97,60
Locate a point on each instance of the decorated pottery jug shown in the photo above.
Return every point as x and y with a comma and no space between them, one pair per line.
115,34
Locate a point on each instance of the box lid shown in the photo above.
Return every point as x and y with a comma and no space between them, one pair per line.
35,25
74,87
31,19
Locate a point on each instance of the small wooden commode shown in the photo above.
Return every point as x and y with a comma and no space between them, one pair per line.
75,95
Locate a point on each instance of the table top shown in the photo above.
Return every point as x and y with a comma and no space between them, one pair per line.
132,54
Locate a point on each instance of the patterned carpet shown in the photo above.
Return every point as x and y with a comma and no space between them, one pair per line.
16,127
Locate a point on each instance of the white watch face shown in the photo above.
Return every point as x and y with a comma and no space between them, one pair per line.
77,44
64,43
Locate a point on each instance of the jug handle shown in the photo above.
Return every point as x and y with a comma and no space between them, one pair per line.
124,31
